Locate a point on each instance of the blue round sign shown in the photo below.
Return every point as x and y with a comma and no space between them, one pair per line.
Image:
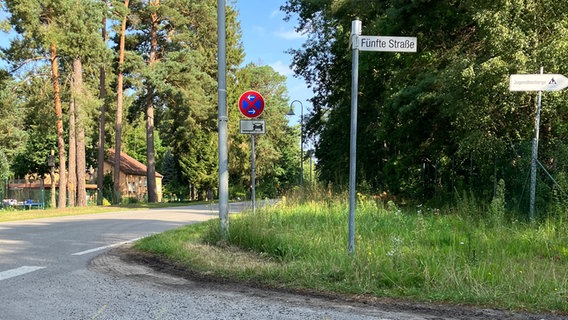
251,104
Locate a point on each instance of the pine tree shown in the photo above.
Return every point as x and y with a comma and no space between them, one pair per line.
177,41
51,31
123,12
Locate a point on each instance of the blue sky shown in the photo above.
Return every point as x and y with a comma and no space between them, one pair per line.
266,37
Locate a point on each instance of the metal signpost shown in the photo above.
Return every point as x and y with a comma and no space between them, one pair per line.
536,82
365,43
223,122
251,105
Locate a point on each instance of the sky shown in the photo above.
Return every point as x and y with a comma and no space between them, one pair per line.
265,37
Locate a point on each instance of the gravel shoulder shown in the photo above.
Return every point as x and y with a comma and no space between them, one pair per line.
125,261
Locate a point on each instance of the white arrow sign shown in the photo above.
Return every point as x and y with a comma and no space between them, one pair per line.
537,82
389,44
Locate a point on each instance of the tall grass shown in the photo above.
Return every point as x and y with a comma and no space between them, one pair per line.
458,255
420,253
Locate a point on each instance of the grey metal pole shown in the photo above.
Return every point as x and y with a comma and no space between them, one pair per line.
291,113
311,180
535,154
301,144
223,123
252,175
355,33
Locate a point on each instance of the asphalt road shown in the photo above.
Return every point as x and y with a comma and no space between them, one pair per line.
66,268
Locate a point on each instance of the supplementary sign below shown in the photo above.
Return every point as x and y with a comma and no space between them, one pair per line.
537,82
252,127
388,44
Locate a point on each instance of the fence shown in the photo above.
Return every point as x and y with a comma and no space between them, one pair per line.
32,194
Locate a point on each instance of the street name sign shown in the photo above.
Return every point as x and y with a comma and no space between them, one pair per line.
252,126
537,82
358,43
387,44
251,104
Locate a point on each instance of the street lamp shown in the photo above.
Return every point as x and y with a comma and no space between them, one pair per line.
310,155
291,113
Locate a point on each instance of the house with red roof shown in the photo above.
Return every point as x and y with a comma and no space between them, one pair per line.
133,181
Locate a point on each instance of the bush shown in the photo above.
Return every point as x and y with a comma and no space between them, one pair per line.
108,186
131,200
238,192
497,206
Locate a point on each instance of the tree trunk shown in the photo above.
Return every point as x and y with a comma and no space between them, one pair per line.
102,114
80,133
151,162
119,91
72,154
59,126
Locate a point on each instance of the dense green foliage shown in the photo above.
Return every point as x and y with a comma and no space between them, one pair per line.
170,67
277,155
12,133
461,255
441,119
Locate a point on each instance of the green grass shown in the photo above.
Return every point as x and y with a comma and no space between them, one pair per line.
11,214
15,215
419,254
165,204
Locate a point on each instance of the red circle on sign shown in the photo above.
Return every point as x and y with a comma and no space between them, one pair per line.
251,104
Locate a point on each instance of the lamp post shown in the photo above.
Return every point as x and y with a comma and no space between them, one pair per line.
310,155
291,113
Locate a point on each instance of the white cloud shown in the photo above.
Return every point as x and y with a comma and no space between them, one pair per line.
258,30
274,13
282,68
289,35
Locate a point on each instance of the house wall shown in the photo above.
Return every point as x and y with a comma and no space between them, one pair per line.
134,186
131,186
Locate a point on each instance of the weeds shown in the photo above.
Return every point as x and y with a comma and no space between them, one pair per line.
460,255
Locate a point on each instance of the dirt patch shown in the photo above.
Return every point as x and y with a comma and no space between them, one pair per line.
127,261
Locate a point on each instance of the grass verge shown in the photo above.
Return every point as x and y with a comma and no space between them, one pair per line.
421,254
15,215
11,214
